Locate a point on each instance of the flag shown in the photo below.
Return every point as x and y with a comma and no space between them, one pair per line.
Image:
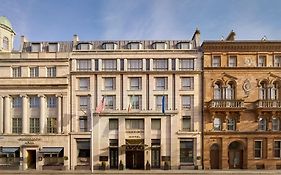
101,106
163,104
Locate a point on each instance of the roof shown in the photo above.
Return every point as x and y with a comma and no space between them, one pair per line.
5,23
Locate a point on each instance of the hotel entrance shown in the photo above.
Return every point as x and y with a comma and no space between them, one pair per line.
31,159
135,154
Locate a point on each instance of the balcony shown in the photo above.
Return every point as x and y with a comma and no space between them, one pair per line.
232,105
268,105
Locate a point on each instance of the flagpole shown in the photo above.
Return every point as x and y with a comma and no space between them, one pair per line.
92,136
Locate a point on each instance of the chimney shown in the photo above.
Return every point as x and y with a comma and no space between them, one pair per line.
75,39
23,40
231,36
196,38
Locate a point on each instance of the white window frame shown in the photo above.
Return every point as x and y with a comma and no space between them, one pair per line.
52,71
258,149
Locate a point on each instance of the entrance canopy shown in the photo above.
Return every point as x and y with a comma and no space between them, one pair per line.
51,150
135,145
8,150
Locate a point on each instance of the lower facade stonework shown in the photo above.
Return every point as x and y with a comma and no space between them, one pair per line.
242,151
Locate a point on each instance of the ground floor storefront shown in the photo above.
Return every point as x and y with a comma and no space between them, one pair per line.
242,151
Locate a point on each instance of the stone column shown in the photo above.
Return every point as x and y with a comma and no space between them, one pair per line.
59,106
24,114
7,120
1,115
42,113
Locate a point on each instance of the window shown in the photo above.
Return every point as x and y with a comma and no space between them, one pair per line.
277,149
51,102
155,124
231,124
275,124
135,83
134,45
277,61
5,43
34,102
53,47
110,102
83,124
159,99
136,101
109,46
230,91
160,64
218,91
35,47
275,91
258,149
84,46
262,124
51,125
16,71
109,83
159,45
84,84
186,101
263,90
262,61
187,83
34,126
161,83
17,125
232,61
84,65
217,124
34,71
51,71
83,147
186,123
186,151
183,45
113,124
186,64
109,65
216,61
84,102
17,102
134,64
134,124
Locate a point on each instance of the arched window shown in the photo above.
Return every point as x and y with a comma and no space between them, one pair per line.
217,124
5,43
218,91
275,124
262,124
230,91
275,91
231,124
263,90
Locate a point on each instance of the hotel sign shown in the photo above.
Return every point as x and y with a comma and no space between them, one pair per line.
134,134
29,139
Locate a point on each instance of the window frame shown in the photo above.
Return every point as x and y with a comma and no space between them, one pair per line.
260,149
216,61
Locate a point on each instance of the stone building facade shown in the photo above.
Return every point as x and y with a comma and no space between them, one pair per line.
151,92
242,108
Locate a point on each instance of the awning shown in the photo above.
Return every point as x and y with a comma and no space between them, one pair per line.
7,150
51,150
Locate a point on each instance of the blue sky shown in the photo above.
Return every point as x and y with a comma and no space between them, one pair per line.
58,20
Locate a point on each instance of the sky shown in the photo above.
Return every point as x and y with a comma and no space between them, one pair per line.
59,20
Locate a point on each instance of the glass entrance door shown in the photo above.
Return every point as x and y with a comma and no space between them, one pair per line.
113,154
155,158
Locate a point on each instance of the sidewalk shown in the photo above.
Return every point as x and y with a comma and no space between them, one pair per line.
140,172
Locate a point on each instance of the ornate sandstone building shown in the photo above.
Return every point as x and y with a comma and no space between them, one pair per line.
150,92
242,107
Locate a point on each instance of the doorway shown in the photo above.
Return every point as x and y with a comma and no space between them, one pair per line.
31,159
135,160
113,154
215,156
235,155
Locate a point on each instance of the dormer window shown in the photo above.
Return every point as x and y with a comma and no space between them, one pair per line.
109,46
84,46
53,47
134,45
183,45
159,45
36,47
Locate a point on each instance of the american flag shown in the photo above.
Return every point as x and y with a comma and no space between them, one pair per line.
101,106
